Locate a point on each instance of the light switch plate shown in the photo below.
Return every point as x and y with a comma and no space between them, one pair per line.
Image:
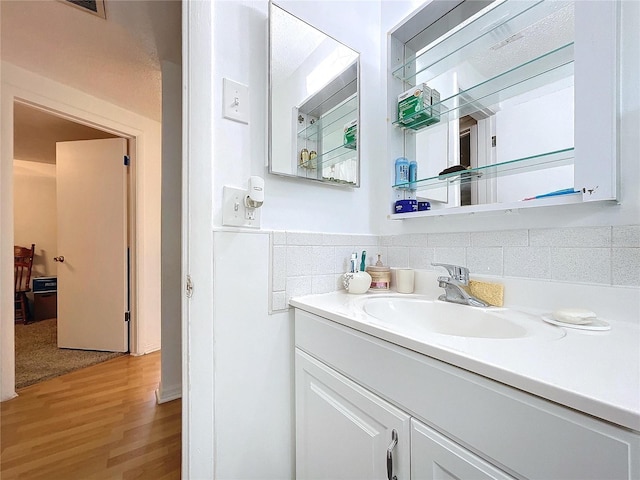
235,101
234,211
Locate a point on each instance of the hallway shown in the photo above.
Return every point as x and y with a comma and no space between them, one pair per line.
101,422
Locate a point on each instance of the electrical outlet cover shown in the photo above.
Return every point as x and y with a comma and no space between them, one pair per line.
234,211
235,98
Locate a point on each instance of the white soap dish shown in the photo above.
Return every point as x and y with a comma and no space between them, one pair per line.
593,324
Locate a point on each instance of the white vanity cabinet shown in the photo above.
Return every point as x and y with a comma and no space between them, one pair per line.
344,431
435,457
353,389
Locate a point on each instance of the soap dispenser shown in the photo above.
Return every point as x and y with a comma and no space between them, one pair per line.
380,276
356,281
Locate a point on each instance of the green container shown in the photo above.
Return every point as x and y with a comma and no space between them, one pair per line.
351,134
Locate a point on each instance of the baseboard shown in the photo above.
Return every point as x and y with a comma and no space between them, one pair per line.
164,395
146,350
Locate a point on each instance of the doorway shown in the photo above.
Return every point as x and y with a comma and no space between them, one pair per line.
36,131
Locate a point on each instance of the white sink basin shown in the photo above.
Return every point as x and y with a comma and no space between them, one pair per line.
415,316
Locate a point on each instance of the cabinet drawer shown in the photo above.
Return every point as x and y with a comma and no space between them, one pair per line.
522,434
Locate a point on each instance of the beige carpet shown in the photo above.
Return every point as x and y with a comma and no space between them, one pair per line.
39,358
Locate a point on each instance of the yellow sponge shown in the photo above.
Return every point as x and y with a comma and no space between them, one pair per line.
492,293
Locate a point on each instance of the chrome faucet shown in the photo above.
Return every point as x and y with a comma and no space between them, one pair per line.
456,286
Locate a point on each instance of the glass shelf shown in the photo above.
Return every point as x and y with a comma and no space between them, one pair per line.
336,118
495,26
552,66
521,165
331,157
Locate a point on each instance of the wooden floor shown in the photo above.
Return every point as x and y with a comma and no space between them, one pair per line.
101,422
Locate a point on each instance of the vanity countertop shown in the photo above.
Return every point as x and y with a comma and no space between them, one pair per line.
595,372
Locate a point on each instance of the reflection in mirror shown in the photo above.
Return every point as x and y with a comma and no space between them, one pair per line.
313,103
502,103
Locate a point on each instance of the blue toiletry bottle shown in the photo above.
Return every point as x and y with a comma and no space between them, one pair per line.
402,171
413,173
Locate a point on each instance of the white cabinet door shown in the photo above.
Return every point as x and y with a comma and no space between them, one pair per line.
435,457
344,431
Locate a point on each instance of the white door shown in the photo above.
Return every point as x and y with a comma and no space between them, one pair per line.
343,431
92,244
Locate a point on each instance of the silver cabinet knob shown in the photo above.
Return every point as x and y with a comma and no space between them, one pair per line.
59,259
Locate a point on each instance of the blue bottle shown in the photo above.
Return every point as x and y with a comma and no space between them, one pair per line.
413,174
402,171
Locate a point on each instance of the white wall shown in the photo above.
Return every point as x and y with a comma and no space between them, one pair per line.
35,221
21,84
239,151
253,367
171,293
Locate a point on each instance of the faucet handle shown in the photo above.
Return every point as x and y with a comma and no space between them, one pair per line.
456,272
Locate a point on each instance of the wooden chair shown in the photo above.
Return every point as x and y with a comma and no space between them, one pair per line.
23,261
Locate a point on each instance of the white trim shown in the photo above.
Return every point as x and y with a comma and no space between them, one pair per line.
22,85
168,394
198,372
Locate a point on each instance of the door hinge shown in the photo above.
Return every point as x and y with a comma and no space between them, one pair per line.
189,287
127,160
127,316
493,141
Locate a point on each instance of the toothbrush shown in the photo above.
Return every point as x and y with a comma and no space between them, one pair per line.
362,260
353,266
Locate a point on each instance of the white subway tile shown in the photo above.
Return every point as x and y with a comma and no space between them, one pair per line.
279,301
420,257
385,240
298,286
279,238
396,257
571,237
336,239
301,238
527,262
452,255
299,261
279,268
323,284
504,238
365,240
324,260
411,240
626,236
581,265
485,260
461,239
625,266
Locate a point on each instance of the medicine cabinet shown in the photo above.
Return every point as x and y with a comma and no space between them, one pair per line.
313,103
518,96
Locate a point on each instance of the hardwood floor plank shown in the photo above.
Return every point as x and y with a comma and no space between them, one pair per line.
98,423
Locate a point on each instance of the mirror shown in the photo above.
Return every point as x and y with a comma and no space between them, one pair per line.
502,102
314,108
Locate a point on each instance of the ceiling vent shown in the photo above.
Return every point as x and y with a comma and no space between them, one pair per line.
95,7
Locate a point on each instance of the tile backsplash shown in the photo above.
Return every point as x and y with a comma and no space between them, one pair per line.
306,263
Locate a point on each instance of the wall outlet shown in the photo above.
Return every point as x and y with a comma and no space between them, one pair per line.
234,211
